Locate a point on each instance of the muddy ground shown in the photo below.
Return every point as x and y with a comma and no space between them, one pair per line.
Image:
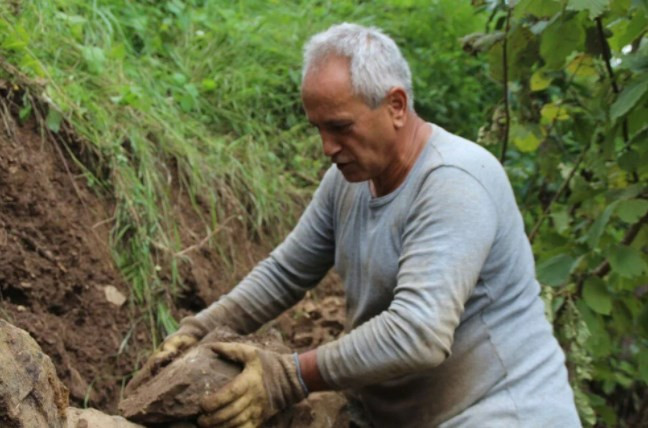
58,280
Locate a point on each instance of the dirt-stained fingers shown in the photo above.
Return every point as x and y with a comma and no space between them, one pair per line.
235,351
177,343
228,412
231,393
240,413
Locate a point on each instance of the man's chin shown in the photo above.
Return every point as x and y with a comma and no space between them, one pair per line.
351,174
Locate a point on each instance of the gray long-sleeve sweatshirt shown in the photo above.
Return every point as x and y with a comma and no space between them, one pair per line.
446,324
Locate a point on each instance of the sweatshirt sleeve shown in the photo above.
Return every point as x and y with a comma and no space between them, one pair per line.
448,234
295,266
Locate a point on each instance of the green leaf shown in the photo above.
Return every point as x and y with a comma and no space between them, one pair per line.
208,84
629,97
627,261
552,111
595,7
539,81
495,58
582,66
596,295
636,27
632,210
539,8
94,57
630,160
522,52
523,138
642,322
555,271
596,231
179,78
643,364
560,219
559,40
54,119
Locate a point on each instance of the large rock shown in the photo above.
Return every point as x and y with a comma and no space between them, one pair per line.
31,394
172,394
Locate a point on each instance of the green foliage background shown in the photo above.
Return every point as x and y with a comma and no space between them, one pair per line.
206,94
572,131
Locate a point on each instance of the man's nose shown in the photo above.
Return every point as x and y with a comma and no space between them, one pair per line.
329,145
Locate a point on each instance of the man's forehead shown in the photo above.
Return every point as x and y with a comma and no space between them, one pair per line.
328,72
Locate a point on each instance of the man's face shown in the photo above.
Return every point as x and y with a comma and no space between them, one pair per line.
358,139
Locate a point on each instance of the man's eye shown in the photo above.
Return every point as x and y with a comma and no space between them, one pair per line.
340,127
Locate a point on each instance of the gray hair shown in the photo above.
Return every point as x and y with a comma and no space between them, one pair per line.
376,63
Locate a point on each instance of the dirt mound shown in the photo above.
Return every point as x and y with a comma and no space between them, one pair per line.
56,271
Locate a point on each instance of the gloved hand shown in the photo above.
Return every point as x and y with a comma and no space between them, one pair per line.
223,314
269,383
187,335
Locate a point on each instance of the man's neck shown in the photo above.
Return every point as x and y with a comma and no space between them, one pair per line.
407,150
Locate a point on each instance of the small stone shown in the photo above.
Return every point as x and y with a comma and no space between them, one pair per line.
114,296
92,418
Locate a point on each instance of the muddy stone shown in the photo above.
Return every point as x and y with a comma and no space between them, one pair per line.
31,395
175,393
172,395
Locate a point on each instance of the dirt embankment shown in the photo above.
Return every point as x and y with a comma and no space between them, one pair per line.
58,280
56,272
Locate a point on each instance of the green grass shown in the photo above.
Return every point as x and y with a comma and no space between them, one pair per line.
204,96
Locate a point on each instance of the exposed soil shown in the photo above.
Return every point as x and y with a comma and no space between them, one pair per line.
55,266
58,280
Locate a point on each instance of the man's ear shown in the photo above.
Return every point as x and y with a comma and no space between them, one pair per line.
397,106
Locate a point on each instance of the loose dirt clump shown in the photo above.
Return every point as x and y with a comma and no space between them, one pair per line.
56,271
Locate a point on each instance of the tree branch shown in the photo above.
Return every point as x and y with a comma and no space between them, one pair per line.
507,112
561,189
607,55
604,268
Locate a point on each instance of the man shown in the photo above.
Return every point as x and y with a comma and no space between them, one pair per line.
422,225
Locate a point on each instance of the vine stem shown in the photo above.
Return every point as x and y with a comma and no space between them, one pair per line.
507,113
563,187
603,269
607,55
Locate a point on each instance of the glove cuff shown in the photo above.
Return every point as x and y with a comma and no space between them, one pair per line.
300,378
282,383
191,326
222,313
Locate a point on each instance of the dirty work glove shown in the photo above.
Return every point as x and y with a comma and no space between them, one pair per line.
221,314
187,335
269,383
